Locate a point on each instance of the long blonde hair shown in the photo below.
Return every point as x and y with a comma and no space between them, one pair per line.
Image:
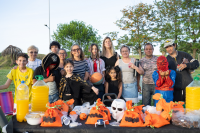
103,53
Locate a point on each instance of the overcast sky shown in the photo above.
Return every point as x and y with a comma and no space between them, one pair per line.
22,21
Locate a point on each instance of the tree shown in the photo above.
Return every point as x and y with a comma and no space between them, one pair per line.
168,21
191,25
76,32
12,51
139,21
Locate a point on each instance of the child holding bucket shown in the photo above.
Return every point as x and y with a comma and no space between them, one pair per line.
96,64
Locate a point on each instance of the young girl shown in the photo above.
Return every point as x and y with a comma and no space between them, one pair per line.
113,82
96,65
73,86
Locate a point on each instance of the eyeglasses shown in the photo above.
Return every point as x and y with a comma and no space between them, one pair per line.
35,52
76,50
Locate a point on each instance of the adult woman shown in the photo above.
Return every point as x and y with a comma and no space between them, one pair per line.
108,55
80,65
62,55
33,62
126,64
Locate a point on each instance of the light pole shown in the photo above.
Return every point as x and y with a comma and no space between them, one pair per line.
49,25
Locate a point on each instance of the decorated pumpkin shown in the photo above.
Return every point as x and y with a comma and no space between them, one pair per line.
83,116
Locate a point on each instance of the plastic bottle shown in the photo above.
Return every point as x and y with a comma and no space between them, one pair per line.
193,95
40,95
22,97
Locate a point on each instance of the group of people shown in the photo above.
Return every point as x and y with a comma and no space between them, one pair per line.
70,78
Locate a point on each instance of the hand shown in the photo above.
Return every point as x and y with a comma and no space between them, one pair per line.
167,73
162,74
131,65
181,66
51,78
109,97
95,90
15,67
139,88
62,72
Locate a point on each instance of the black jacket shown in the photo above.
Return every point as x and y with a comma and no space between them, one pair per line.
183,78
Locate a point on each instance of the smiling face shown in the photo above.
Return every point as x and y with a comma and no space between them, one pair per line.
125,52
62,54
94,50
76,51
32,53
69,68
21,62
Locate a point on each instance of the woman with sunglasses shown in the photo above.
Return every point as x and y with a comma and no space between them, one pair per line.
80,65
33,62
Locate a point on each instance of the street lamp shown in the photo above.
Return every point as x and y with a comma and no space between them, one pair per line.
49,25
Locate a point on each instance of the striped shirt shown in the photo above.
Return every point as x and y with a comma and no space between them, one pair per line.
80,67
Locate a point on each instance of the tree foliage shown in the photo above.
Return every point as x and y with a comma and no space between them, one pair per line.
76,32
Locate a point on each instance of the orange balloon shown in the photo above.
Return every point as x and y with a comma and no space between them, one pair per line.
83,116
97,78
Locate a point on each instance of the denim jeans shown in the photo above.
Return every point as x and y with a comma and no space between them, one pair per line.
147,91
130,90
53,98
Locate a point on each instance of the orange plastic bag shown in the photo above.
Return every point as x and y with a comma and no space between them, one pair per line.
98,112
157,96
178,106
51,118
154,120
70,102
62,106
131,118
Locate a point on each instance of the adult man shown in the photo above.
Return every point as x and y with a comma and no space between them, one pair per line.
149,65
178,61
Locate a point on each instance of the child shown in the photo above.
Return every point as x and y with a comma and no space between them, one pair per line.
21,73
96,64
72,85
54,47
164,79
51,75
113,82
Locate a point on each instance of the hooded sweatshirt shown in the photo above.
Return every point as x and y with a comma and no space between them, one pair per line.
44,70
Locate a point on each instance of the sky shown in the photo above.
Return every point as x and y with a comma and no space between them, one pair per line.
22,21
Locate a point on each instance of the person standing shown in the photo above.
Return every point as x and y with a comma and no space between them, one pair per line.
108,54
54,47
129,80
182,63
62,56
149,65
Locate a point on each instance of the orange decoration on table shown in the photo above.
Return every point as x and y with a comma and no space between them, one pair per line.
72,112
83,116
70,102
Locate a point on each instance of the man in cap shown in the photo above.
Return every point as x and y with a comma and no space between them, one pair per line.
182,63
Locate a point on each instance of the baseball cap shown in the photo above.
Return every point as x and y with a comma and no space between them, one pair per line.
168,42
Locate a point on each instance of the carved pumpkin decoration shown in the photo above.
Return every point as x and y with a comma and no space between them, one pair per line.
72,113
131,118
83,116
154,120
51,118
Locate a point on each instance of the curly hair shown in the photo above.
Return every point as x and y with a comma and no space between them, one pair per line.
118,74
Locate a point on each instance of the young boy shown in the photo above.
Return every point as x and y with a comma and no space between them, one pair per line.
50,73
54,47
21,73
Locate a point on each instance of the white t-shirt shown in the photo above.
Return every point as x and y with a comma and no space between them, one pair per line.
34,64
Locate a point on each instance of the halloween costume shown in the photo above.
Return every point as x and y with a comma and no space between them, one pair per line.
164,85
77,88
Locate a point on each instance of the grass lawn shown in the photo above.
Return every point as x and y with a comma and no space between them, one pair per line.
3,79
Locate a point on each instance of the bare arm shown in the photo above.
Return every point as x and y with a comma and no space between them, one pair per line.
6,85
106,89
138,83
117,63
120,91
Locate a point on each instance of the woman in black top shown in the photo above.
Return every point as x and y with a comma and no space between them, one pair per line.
108,55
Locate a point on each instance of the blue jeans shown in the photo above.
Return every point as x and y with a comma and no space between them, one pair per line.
130,90
53,98
147,91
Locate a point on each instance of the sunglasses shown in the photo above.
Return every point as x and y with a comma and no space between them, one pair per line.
76,50
33,52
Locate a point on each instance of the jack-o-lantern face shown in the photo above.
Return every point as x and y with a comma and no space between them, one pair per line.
83,116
